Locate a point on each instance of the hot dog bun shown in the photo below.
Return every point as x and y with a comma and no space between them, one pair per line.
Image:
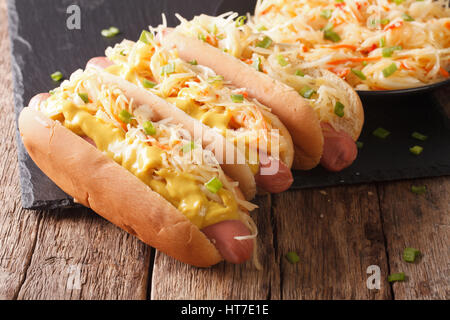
296,113
112,191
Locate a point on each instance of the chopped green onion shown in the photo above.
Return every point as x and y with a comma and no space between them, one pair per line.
359,144
201,37
382,42
146,36
122,53
407,17
52,92
410,254
215,30
57,76
365,63
149,128
384,21
292,257
331,35
257,64
111,32
84,97
262,28
339,109
326,14
396,277
416,150
188,147
299,73
373,23
215,79
167,69
237,98
125,116
419,189
359,74
240,21
264,43
307,92
282,60
214,185
419,136
328,26
398,2
193,62
387,52
148,84
339,1
389,71
381,133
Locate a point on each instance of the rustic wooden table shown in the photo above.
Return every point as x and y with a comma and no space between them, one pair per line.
338,232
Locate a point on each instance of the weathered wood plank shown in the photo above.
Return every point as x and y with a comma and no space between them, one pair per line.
421,222
79,255
174,280
44,254
17,227
337,234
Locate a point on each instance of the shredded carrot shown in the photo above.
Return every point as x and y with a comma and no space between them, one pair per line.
244,93
342,73
123,125
396,25
369,50
234,124
447,25
212,41
343,46
444,72
265,11
378,88
405,66
159,145
341,61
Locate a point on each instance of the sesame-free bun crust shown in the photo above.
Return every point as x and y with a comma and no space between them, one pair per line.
99,183
292,109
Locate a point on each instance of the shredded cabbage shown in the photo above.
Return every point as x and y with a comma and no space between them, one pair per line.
419,29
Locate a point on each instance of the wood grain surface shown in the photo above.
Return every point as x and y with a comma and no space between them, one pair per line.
338,233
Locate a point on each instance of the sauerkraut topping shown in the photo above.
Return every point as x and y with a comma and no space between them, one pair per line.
366,30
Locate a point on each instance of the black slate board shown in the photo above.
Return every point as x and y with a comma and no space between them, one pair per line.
41,44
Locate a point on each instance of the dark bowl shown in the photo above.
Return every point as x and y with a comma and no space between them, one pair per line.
367,94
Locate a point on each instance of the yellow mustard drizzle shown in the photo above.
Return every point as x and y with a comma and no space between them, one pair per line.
142,160
211,118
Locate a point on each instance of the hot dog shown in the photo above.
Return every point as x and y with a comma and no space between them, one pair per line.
249,58
119,157
205,96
